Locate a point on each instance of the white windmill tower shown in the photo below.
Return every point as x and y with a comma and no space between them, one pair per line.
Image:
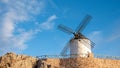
79,45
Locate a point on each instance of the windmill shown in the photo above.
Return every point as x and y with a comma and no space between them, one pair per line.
79,45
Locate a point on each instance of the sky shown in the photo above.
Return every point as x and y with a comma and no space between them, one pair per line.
30,26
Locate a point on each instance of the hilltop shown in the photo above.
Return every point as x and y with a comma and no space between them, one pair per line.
11,60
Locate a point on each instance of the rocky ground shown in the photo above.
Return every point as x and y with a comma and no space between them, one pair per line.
11,60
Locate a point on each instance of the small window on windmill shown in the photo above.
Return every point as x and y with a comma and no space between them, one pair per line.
48,66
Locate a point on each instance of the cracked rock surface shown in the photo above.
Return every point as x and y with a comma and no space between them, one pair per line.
11,60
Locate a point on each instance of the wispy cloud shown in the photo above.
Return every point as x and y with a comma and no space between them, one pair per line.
53,4
49,23
115,32
96,36
14,12
114,37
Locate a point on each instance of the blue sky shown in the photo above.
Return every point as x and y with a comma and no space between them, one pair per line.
30,26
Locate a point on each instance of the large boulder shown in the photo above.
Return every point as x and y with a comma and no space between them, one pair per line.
11,60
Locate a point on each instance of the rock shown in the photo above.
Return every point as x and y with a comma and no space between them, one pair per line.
11,60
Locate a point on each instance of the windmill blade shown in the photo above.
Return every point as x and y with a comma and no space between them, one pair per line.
91,42
83,24
65,29
65,49
87,43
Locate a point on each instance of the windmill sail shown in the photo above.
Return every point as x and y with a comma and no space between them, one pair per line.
79,45
91,42
65,29
65,49
83,24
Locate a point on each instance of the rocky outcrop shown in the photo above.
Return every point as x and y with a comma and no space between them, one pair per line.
11,60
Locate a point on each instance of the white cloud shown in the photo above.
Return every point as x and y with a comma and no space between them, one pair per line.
114,37
48,24
115,32
53,4
4,1
96,37
14,12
